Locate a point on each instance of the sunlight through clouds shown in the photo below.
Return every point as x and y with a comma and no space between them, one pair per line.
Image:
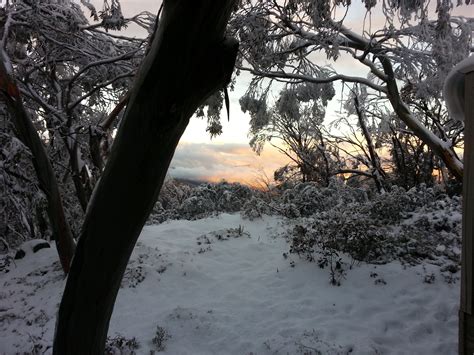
232,162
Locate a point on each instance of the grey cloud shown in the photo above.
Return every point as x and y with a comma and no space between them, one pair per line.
233,162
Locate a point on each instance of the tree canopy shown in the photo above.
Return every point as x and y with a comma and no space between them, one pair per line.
405,50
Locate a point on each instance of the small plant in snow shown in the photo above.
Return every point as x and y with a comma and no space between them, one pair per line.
224,234
5,262
331,259
160,338
133,276
203,239
429,278
121,345
240,230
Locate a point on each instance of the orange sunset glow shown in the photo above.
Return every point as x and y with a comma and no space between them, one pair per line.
233,162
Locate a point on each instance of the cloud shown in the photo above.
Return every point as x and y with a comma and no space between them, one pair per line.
233,162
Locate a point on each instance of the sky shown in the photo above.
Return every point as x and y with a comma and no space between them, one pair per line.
229,156
226,157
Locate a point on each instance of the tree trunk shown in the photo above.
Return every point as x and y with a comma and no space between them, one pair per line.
47,180
377,171
189,60
466,312
82,193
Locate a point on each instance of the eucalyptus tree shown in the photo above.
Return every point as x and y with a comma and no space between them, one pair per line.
361,143
286,40
293,125
71,80
71,72
188,60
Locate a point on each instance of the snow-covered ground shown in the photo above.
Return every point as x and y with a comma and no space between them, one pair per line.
212,288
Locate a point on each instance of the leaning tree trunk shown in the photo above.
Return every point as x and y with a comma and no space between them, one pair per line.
189,60
44,171
441,148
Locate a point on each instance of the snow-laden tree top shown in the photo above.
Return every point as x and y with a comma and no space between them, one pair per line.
406,49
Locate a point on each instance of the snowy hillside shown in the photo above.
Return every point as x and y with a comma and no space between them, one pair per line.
224,285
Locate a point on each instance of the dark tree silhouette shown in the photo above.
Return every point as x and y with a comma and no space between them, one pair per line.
189,59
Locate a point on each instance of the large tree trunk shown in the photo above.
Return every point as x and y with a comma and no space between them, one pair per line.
47,180
188,61
466,312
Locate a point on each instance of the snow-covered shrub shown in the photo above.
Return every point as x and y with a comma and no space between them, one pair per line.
398,204
178,200
340,230
255,208
290,210
173,194
433,232
421,225
389,207
231,197
197,207
158,214
422,195
309,198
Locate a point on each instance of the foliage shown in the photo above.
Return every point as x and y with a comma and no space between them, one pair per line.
338,225
309,198
121,345
405,60
420,225
255,208
178,200
293,126
22,204
70,74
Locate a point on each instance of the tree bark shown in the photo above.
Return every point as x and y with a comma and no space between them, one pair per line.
44,171
82,193
189,60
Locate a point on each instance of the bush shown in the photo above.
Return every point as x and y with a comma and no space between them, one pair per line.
121,345
160,338
421,225
255,208
179,201
341,231
305,199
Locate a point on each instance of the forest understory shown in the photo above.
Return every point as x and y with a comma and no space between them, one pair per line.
311,271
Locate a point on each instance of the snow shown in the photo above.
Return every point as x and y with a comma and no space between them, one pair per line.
236,293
